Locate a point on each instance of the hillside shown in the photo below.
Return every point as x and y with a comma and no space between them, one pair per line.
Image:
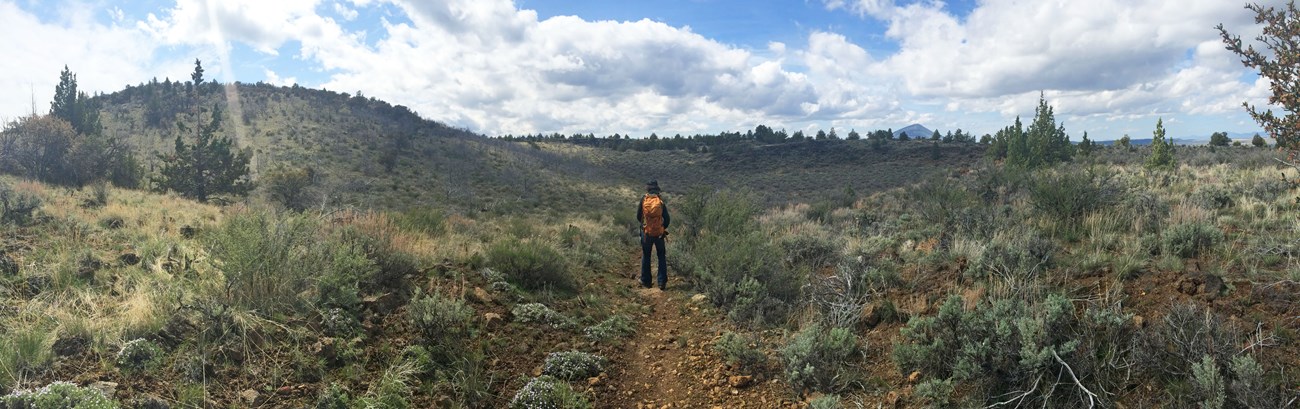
369,154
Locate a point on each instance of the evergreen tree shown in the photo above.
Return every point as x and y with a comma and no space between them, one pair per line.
935,136
1220,139
902,136
1276,61
1162,156
1258,141
1085,145
209,166
853,135
1125,141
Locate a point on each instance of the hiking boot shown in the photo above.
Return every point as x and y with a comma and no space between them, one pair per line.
663,286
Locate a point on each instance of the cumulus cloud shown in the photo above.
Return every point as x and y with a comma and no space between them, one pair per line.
263,25
104,57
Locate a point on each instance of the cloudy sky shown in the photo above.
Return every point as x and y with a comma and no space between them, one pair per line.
1110,67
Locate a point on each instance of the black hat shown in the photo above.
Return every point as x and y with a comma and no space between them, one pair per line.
652,186
652,182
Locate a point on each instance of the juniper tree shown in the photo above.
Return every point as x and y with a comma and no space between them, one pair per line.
1162,155
1277,62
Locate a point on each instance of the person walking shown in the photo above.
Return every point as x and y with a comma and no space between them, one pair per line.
653,215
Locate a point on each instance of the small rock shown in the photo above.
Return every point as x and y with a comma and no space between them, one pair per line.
593,381
740,381
914,376
105,387
479,295
129,259
891,399
382,304
491,318
537,371
699,298
150,402
1139,321
250,397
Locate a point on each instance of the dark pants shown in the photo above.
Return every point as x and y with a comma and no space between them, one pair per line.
658,244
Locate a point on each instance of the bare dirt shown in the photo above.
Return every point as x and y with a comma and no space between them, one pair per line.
671,362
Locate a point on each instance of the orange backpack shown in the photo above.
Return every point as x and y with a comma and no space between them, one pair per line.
652,212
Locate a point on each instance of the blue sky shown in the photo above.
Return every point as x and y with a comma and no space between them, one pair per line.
1110,67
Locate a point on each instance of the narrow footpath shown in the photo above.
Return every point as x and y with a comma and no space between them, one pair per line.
671,362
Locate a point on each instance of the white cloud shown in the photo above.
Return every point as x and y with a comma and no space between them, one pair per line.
345,12
263,25
104,57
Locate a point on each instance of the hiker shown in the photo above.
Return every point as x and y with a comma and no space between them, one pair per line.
653,215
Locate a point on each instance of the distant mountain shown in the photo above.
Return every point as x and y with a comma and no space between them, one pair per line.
914,131
1175,141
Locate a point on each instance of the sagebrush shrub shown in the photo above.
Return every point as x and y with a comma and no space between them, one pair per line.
573,365
616,326
440,319
1207,384
741,351
16,207
1068,196
334,397
1184,336
1191,239
545,392
825,402
532,264
809,248
268,259
139,355
539,313
816,358
58,395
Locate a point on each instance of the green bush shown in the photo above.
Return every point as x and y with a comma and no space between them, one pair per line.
616,326
531,264
1170,347
15,207
1020,254
540,313
810,249
545,392
573,365
1207,384
338,285
58,395
1004,347
268,260
825,402
1191,239
938,198
1068,196
139,355
818,359
1251,388
741,351
1214,197
442,321
334,397
392,263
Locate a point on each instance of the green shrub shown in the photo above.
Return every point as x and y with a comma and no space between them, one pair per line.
1207,384
15,207
442,321
817,359
573,365
540,313
334,397
531,264
825,402
1191,239
58,395
290,186
268,260
938,198
741,351
338,289
376,240
1068,196
1251,388
1214,197
1019,254
1004,347
545,392
139,355
616,326
1169,348
810,249
1145,211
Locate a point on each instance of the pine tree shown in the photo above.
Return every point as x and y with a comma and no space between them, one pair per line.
209,166
1162,156
1276,61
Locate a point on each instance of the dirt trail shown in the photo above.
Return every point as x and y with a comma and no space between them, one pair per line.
671,363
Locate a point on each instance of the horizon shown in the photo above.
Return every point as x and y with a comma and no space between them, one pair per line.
679,67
